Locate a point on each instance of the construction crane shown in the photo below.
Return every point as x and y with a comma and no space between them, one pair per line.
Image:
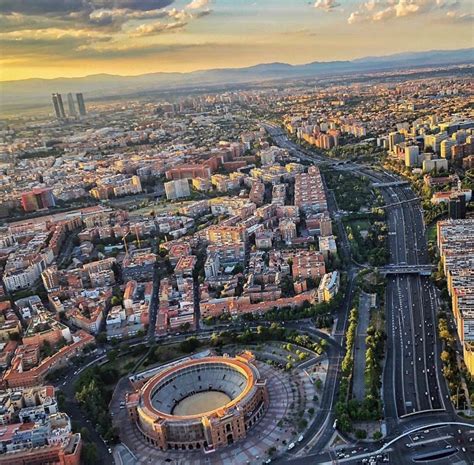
138,237
125,242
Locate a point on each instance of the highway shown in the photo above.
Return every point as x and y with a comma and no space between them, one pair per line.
413,387
412,379
412,384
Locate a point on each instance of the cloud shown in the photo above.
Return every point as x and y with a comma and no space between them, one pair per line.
197,4
111,17
47,43
34,7
95,13
108,15
456,16
114,50
383,10
144,5
120,16
356,17
16,21
158,27
180,19
408,7
51,34
326,5
383,15
60,7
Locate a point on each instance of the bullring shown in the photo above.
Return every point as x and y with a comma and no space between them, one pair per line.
204,403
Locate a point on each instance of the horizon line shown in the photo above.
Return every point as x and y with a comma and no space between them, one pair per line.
239,67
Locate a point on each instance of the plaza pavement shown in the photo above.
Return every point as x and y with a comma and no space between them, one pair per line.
252,450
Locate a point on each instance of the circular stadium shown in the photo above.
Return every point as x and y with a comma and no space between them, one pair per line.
204,403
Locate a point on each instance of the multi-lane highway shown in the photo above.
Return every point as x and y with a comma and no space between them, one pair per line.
413,386
412,382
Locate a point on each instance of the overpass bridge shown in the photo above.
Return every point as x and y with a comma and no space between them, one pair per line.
390,184
401,202
424,270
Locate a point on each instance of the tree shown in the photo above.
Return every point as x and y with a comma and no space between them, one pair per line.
85,434
46,349
89,454
444,334
302,424
237,269
101,338
112,355
377,435
445,356
189,345
14,336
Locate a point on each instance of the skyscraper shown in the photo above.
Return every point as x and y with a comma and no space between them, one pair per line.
58,106
70,104
80,104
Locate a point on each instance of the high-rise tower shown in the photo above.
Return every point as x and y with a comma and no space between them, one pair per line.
71,106
58,106
80,104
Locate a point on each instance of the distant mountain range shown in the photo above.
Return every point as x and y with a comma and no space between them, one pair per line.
37,92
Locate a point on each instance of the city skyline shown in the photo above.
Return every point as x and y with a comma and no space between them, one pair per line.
131,37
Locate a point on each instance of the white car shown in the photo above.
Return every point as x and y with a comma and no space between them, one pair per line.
291,446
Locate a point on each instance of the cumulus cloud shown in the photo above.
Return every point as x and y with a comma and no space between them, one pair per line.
356,17
109,15
383,10
158,27
119,16
408,7
34,7
61,7
179,19
197,4
460,17
326,5
74,28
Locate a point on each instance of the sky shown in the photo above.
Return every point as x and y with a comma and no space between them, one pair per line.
67,38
